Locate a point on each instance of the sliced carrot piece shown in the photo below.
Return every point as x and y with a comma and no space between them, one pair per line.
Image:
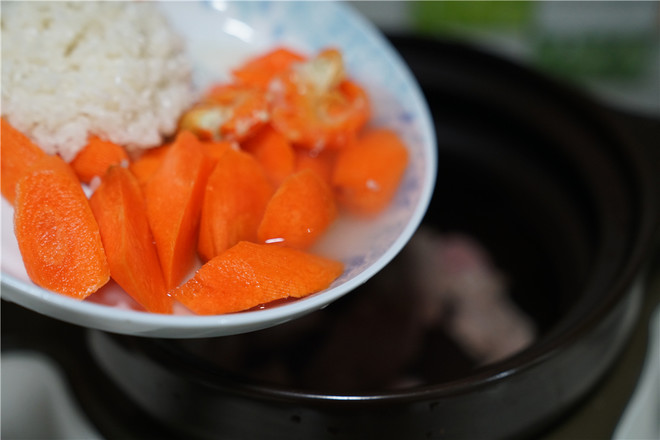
96,157
18,154
368,173
260,70
57,233
228,112
250,274
316,106
236,195
299,212
119,208
274,152
174,200
331,121
321,162
215,149
147,163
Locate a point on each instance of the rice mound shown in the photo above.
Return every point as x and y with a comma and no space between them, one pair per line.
112,69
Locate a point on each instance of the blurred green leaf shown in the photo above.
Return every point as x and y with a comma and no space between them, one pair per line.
597,55
437,16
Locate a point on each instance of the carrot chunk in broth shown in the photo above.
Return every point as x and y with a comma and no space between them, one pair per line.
260,70
321,162
316,106
231,112
96,157
234,202
57,234
274,152
174,197
368,173
145,166
18,154
119,208
250,274
300,211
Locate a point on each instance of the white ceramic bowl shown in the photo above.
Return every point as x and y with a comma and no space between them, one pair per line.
220,35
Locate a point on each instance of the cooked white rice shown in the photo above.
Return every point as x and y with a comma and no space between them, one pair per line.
113,69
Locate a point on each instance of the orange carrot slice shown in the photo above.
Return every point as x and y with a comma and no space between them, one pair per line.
174,200
57,233
299,212
260,70
368,173
215,149
18,154
227,112
250,274
119,208
96,157
236,195
316,106
147,163
274,152
322,162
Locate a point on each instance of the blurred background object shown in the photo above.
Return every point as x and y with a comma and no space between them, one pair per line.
609,48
